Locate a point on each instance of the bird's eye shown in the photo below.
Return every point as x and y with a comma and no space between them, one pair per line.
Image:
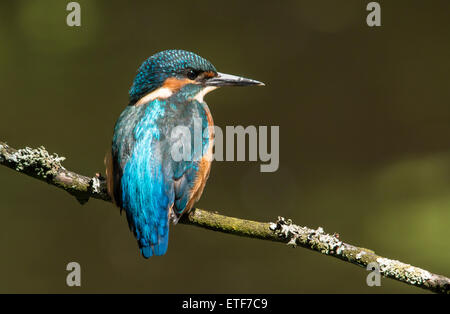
191,74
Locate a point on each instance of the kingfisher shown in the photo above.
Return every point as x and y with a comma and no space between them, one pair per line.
142,176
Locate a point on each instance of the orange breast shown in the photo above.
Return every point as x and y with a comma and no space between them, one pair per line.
204,165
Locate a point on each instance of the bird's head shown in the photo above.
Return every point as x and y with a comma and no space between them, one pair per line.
168,71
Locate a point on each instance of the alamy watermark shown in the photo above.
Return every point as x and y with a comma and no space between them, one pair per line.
73,278
374,277
374,17
74,17
189,147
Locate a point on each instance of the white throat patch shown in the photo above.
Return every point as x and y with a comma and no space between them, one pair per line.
203,92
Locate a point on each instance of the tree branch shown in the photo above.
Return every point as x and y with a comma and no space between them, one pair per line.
38,163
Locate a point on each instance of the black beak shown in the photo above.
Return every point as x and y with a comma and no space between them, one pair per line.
231,80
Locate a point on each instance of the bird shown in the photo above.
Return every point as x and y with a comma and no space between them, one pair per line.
143,178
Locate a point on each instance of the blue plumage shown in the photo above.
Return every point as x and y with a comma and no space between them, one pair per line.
143,178
142,144
143,194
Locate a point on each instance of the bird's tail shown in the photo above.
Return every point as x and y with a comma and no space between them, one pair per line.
158,249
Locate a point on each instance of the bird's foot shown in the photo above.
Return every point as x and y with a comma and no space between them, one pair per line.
174,217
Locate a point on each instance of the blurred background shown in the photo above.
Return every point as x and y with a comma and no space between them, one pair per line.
364,140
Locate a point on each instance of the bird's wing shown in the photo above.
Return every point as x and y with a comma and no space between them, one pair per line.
141,184
189,186
184,188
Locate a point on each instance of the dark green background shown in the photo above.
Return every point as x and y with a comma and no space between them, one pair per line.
364,140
